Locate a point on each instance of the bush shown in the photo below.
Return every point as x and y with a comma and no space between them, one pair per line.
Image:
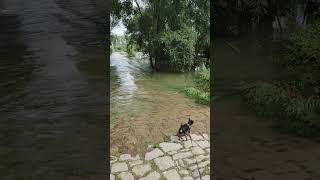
304,48
130,52
202,80
179,48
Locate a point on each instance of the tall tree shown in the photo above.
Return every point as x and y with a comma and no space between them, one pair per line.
162,28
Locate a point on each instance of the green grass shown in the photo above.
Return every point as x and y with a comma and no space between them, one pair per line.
201,91
297,115
156,146
199,96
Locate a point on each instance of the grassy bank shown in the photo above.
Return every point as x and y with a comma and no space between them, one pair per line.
293,101
201,91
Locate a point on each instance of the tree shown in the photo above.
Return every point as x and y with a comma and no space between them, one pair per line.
171,40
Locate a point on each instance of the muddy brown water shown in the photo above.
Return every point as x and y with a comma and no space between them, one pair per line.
245,145
53,89
146,107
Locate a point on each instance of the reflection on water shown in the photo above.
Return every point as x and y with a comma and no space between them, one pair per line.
125,72
146,106
52,87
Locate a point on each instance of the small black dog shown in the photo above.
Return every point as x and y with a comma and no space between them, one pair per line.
184,129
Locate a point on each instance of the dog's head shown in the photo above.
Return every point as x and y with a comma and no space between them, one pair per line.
190,122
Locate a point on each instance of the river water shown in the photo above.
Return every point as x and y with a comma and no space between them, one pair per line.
146,106
245,145
53,89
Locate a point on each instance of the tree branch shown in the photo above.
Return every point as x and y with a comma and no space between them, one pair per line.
138,7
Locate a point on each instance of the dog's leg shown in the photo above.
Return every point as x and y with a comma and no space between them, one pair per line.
189,136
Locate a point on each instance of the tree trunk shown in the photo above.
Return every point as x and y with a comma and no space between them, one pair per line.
151,62
156,12
279,23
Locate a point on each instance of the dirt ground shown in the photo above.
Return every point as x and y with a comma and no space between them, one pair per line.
246,146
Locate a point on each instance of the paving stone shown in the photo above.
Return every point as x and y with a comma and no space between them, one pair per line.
113,159
195,173
188,144
152,176
153,154
189,161
133,163
112,177
200,165
197,158
166,146
177,164
206,136
203,144
206,177
174,139
202,157
164,162
184,172
197,150
203,164
140,170
196,137
171,175
182,155
187,178
150,147
181,163
184,150
126,176
126,157
119,167
172,152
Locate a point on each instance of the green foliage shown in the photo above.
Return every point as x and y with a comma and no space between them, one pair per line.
199,96
130,52
171,32
304,48
156,146
295,115
179,48
294,101
203,80
129,48
201,91
118,43
266,99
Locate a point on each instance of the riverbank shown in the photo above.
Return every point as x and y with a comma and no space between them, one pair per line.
148,107
245,144
171,160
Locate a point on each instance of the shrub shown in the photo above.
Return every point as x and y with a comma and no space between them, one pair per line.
178,47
